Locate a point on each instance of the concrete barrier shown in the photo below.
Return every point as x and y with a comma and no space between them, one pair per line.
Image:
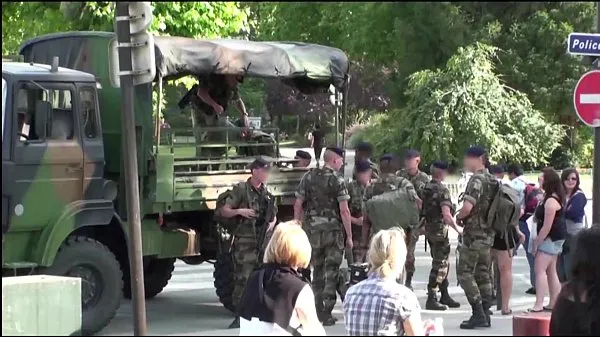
41,305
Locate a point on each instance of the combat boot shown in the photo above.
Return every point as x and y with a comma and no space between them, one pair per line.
408,281
478,320
446,299
432,301
486,307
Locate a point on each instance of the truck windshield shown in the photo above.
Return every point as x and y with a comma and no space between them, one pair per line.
3,106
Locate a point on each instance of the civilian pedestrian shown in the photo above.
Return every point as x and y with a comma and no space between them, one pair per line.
380,306
548,244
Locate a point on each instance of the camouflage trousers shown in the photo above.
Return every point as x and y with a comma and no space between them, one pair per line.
440,251
202,119
412,236
245,260
327,253
473,270
358,251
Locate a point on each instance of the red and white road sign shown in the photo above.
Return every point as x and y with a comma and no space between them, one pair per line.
586,98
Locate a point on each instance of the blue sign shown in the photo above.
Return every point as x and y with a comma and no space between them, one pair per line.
584,44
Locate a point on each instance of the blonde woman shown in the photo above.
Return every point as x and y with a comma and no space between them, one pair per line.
380,306
277,300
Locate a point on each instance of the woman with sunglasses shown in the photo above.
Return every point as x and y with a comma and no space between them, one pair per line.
574,215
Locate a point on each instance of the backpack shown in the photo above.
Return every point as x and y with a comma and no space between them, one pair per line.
504,208
530,200
228,223
394,208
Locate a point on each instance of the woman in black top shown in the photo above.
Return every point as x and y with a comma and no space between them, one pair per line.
550,238
577,310
277,299
316,142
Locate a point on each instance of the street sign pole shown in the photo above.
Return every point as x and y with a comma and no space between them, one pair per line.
596,168
131,169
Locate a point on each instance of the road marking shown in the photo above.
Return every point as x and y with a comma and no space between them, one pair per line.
589,98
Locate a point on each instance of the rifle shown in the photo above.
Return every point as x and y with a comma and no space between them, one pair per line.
264,225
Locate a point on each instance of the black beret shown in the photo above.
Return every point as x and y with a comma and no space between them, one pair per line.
410,154
387,156
496,169
259,163
362,166
475,151
440,164
336,150
303,154
364,146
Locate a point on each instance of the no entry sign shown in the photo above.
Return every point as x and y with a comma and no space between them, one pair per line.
586,98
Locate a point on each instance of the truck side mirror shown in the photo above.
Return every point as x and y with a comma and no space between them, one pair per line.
42,118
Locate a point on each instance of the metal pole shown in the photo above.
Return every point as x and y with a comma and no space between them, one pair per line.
596,168
131,174
337,119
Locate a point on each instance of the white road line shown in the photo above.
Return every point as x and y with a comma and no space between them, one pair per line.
589,98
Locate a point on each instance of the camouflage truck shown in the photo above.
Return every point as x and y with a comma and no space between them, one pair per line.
63,203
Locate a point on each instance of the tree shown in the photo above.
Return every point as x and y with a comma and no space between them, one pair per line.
466,103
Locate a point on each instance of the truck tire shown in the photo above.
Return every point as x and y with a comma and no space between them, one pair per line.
157,274
223,275
101,279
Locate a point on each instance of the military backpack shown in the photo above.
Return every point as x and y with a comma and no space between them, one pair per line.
396,208
228,223
504,210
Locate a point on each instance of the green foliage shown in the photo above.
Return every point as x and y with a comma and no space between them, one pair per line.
464,104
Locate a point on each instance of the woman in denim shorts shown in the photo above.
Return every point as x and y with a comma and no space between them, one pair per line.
549,241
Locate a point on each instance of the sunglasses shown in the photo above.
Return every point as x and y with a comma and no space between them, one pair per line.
571,179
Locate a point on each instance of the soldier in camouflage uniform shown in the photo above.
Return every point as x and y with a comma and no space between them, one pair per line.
387,181
356,190
474,259
411,171
364,151
438,211
251,203
322,201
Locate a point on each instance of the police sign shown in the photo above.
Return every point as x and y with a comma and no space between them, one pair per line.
584,44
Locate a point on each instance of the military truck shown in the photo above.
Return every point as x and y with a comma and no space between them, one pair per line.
63,204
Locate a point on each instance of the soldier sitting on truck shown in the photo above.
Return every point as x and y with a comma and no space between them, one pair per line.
254,206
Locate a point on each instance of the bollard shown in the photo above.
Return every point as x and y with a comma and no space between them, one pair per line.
531,324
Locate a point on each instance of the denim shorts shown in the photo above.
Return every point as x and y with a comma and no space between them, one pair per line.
551,247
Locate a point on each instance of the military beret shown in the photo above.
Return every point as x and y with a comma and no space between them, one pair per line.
336,150
475,151
362,166
364,146
496,169
387,156
259,163
439,164
303,154
410,154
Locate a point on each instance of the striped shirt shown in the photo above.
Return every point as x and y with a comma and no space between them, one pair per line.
378,307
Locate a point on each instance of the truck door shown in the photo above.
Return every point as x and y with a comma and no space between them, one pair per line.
48,169
6,159
93,148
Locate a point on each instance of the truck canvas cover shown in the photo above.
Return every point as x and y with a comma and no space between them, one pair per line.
310,68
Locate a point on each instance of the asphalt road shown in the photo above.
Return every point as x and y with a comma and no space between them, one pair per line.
189,306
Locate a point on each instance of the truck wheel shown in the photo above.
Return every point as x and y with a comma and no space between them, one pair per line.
223,275
101,279
157,273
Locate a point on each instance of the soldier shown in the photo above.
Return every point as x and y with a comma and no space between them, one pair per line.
411,171
356,190
387,181
364,151
303,158
255,207
322,200
438,211
477,239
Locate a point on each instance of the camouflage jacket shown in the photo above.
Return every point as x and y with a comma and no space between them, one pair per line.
374,168
258,199
418,180
479,195
435,195
356,191
387,182
322,189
